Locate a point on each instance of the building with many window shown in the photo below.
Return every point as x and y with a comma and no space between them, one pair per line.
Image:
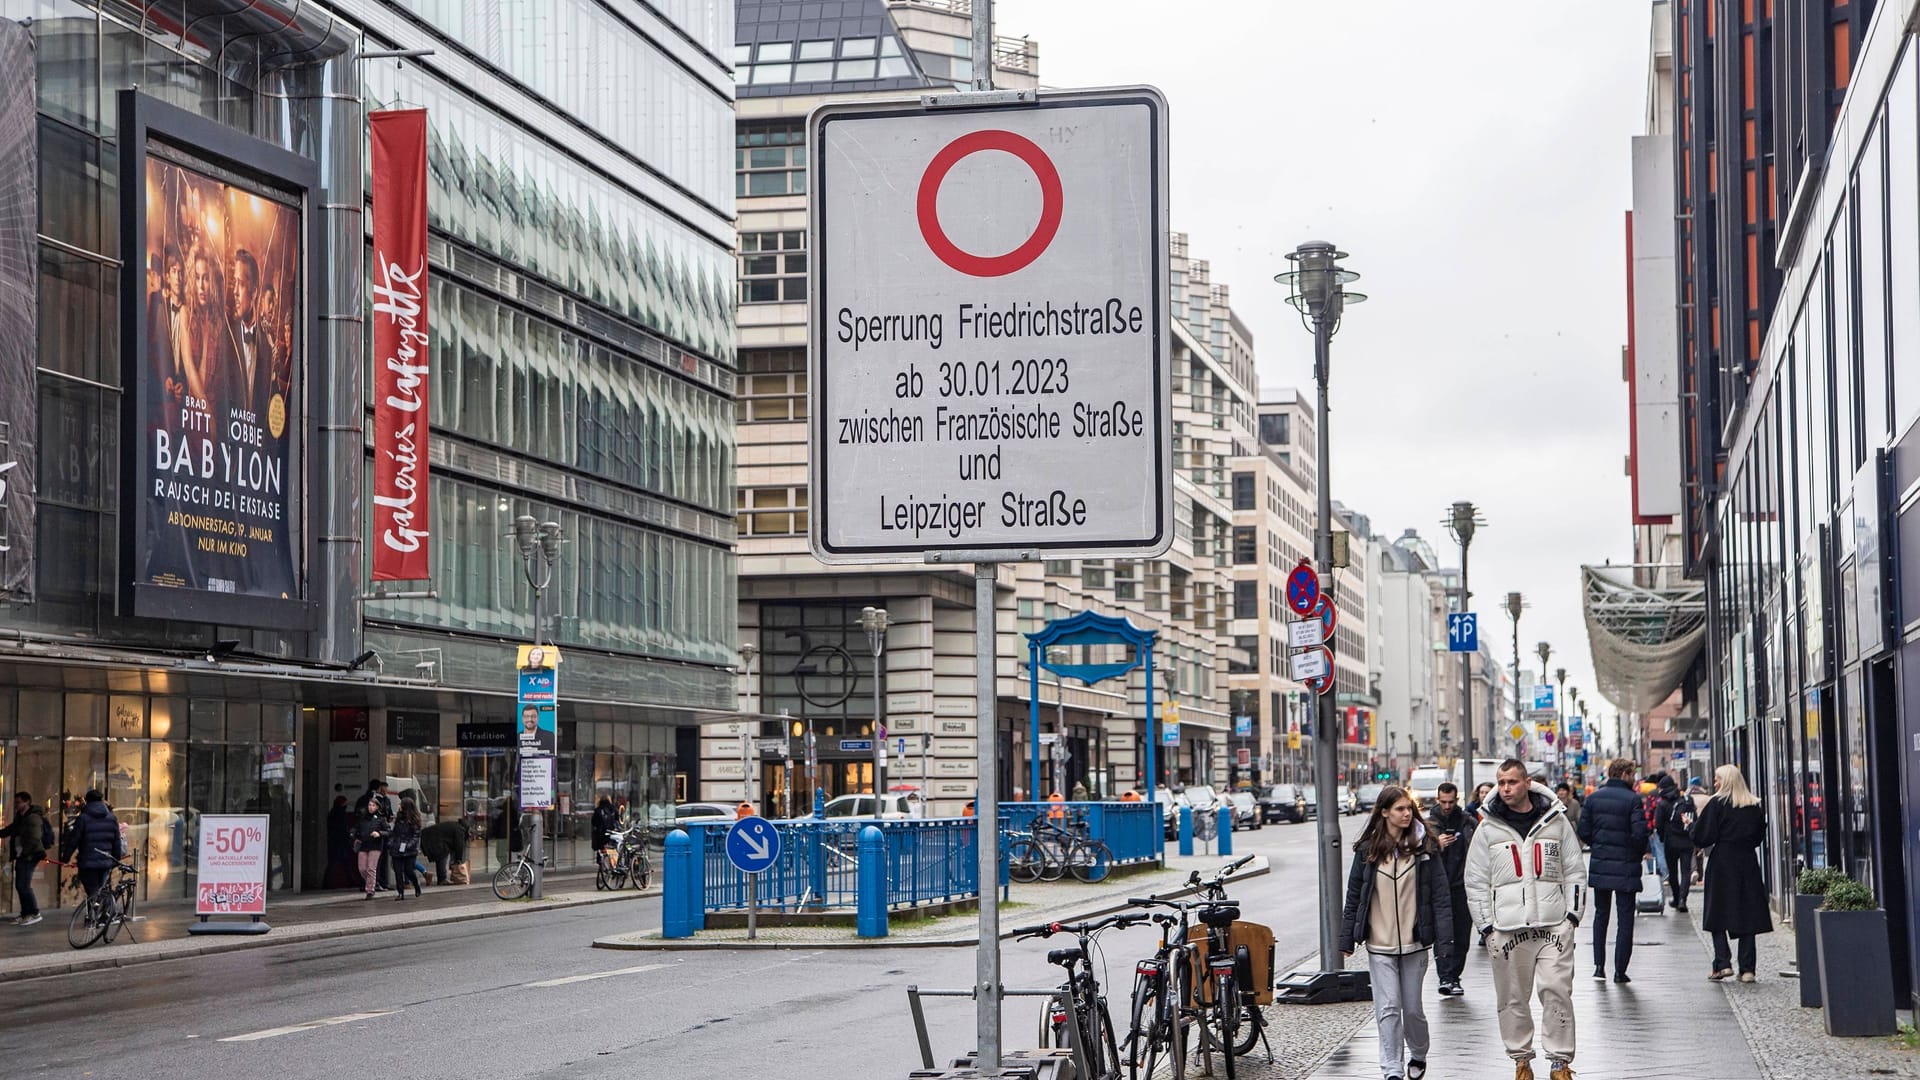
1795,148
582,372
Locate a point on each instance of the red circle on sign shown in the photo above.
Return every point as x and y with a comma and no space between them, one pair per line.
1051,203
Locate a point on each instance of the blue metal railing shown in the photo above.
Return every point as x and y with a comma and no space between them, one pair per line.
928,860
1132,831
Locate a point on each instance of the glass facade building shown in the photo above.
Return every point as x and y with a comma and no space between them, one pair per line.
581,310
1803,460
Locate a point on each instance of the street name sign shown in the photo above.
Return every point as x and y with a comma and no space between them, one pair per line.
989,350
848,746
1463,632
1699,746
753,844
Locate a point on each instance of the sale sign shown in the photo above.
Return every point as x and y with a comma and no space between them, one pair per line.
232,865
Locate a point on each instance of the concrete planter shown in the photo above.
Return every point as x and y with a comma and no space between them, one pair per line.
1806,948
1856,973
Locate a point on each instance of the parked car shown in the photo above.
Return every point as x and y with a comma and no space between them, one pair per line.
895,805
1201,797
1282,802
1368,795
1246,810
1169,812
702,811
1310,800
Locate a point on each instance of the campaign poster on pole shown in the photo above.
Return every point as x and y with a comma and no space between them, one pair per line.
231,865
536,783
539,732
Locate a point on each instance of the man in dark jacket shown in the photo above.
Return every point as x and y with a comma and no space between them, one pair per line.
27,848
1673,819
94,843
445,843
1613,825
1453,831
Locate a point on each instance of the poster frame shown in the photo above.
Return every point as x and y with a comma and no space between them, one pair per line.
143,119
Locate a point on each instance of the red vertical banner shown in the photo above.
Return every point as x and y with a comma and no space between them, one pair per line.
401,510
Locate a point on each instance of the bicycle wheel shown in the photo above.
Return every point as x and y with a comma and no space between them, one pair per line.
114,918
601,875
640,873
1025,860
1222,1019
1053,860
1090,861
1248,1024
513,880
1140,1030
86,926
1179,993
1102,1045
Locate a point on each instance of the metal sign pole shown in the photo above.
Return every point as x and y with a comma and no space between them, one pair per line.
753,906
986,803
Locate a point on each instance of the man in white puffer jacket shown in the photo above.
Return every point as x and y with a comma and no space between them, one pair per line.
1526,887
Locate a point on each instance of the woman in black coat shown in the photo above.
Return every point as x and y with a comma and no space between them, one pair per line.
1400,906
404,845
1734,826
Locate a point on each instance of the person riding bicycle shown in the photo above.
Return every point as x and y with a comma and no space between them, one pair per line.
95,839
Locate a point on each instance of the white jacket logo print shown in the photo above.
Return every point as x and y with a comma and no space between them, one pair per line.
1517,882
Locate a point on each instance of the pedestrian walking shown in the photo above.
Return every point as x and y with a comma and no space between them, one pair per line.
1673,820
1452,828
370,834
1525,888
403,846
382,806
1615,828
1650,793
1398,905
28,835
1733,826
93,843
1564,792
1478,804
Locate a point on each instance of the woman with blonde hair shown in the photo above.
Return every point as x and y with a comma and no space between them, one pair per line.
1734,826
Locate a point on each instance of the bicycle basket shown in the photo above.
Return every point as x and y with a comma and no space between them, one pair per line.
1257,939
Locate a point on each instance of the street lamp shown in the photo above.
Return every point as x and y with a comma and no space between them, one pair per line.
539,546
748,650
1515,605
1317,289
1463,520
874,621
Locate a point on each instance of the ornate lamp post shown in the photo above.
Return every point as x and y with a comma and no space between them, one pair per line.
1317,289
1463,520
874,621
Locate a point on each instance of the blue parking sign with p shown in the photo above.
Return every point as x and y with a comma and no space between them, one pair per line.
1463,632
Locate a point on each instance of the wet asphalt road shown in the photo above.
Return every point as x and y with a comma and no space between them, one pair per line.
527,997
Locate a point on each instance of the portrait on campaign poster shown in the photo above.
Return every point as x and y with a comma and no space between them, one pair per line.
219,360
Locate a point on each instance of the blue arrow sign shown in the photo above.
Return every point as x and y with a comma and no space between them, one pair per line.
753,845
1463,632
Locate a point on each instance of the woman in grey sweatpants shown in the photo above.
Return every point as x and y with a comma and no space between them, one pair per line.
1398,901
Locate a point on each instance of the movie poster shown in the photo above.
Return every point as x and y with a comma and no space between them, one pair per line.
219,360
19,310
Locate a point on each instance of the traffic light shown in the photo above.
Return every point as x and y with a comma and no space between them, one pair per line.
1383,775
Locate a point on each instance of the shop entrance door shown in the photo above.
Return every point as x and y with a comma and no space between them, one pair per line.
486,799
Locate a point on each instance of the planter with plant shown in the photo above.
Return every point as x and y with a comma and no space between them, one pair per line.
1856,968
1809,890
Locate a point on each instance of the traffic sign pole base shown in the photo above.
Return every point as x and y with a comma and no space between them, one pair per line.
1323,987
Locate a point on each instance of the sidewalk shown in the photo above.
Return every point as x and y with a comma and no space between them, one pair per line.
1036,902
160,928
1669,1020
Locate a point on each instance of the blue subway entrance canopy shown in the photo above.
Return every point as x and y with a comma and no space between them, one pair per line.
1078,631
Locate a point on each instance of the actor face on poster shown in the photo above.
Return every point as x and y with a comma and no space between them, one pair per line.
222,262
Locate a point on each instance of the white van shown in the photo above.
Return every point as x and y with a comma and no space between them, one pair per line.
1425,783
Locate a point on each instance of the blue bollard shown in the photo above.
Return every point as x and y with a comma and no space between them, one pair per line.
679,890
1226,830
871,919
1186,830
819,803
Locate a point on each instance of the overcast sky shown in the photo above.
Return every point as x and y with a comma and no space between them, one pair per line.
1475,166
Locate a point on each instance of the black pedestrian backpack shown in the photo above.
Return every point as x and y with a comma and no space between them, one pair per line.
46,833
1682,815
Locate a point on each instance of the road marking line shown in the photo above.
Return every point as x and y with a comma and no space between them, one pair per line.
349,1018
596,975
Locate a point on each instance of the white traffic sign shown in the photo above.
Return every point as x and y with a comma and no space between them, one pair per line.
1305,634
1311,664
989,347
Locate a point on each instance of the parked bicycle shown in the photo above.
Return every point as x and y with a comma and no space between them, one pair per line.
1047,851
1195,983
515,879
628,863
1252,1022
1077,1019
101,915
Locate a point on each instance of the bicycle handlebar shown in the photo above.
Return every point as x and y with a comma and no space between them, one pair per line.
1050,929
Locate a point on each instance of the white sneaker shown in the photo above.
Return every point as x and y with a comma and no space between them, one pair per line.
29,920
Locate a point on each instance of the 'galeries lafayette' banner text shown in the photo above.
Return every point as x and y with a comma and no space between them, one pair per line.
400,361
